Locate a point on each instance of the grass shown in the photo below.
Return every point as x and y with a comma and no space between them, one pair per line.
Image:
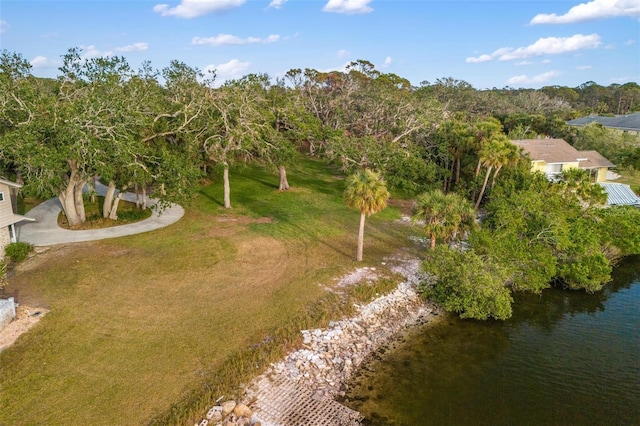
152,328
630,177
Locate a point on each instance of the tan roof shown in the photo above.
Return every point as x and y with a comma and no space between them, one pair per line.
549,150
593,160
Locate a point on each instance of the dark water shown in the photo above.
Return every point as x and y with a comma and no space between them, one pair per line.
565,358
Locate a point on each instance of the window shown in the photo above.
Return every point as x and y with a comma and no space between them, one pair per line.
554,168
1,196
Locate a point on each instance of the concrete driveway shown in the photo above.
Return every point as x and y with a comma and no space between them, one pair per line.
45,230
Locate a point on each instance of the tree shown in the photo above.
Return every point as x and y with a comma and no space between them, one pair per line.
367,192
471,285
443,216
497,152
243,129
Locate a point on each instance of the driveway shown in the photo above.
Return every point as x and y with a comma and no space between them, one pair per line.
45,230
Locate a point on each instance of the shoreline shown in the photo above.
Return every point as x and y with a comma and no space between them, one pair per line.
303,388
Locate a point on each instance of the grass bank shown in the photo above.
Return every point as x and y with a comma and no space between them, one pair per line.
150,328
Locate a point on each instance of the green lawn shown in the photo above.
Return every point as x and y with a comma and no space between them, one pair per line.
152,327
630,178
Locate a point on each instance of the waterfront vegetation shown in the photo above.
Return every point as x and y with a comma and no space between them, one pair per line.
153,328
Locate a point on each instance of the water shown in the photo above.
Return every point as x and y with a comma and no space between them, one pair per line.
565,358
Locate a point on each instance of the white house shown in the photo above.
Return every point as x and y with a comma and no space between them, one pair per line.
8,216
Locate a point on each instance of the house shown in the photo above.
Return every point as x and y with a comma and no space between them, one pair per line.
625,123
8,216
552,156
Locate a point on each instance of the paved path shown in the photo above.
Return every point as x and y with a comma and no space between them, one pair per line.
45,230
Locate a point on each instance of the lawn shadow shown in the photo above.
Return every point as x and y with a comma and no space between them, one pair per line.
210,198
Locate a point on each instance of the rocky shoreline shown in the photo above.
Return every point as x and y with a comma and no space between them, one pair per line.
317,373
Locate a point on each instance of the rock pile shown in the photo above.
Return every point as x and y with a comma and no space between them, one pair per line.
329,357
230,413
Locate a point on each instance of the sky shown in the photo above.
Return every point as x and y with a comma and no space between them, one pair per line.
499,43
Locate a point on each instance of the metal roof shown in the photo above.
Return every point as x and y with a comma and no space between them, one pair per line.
619,194
629,122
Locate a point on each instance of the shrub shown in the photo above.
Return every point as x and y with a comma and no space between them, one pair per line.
18,252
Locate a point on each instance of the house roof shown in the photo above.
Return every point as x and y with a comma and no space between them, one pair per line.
549,150
629,122
619,194
15,218
10,184
594,160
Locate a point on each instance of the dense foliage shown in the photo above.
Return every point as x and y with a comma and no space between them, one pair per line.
444,144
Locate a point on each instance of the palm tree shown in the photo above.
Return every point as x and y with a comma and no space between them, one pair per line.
367,192
494,154
444,216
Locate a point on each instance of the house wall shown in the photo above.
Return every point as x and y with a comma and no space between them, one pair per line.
6,211
538,166
572,165
4,240
601,176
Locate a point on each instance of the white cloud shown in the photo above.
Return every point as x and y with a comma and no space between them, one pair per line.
596,9
222,39
546,61
277,4
630,42
584,67
387,61
135,47
348,7
481,58
540,78
524,63
622,80
339,68
91,51
543,46
343,53
232,69
4,27
41,62
194,8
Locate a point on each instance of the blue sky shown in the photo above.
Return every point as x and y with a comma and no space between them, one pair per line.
516,43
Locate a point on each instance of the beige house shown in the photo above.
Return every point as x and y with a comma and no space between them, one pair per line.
8,216
552,156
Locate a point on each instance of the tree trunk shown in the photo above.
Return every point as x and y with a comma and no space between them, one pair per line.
360,238
433,241
284,184
144,197
92,189
458,170
137,196
493,180
484,186
68,206
72,202
79,200
227,189
478,168
114,207
108,199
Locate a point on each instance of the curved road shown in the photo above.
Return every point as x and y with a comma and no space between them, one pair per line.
45,230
